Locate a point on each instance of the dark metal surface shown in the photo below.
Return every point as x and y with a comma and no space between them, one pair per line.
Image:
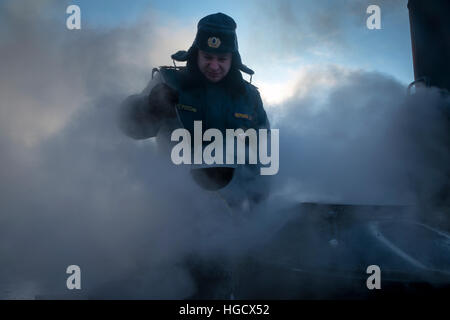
324,251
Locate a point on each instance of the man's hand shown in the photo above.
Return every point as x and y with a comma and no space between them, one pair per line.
162,100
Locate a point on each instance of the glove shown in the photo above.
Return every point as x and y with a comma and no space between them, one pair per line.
162,100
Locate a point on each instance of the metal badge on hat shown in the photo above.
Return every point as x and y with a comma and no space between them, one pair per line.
214,42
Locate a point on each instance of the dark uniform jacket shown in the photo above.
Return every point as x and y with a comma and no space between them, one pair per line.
152,113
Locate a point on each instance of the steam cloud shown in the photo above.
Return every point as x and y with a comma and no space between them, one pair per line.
75,190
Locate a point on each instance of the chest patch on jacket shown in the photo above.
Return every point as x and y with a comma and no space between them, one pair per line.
186,107
242,116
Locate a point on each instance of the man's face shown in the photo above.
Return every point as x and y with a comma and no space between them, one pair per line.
214,66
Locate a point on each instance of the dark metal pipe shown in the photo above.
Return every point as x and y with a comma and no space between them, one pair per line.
430,39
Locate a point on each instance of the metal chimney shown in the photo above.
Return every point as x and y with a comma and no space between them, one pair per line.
430,39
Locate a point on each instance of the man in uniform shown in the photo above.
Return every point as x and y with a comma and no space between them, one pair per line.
210,89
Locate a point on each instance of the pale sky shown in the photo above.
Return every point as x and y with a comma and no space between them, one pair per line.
280,39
